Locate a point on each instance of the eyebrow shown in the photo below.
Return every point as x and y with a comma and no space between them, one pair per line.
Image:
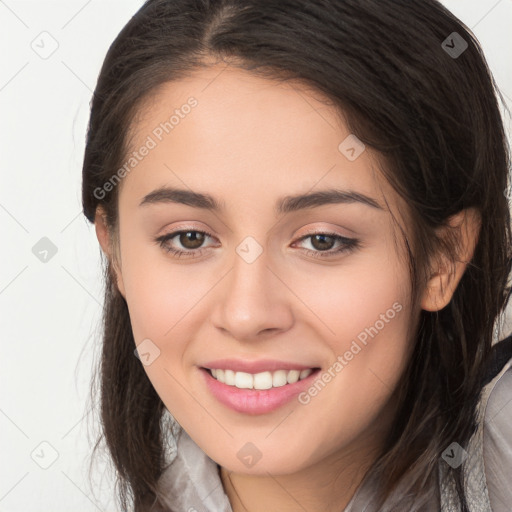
285,204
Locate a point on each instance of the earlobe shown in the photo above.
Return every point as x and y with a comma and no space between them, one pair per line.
104,239
445,279
436,295
100,224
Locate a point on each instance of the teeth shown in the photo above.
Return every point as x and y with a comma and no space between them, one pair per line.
229,377
243,380
293,376
279,379
263,380
305,373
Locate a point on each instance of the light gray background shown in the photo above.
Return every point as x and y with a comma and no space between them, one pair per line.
51,311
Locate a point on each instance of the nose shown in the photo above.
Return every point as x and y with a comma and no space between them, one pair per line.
253,300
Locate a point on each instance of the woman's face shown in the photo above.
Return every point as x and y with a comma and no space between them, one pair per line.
262,293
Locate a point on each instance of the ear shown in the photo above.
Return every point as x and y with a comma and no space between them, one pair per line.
106,243
444,279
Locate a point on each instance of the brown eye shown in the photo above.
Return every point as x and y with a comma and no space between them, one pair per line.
191,239
322,242
184,243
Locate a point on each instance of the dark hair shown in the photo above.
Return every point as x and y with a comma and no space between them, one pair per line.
435,121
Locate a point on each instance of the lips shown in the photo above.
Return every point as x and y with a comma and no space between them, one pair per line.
255,401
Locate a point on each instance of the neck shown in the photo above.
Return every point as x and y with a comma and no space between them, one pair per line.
327,486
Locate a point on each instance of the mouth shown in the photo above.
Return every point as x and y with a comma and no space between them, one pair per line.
257,393
260,381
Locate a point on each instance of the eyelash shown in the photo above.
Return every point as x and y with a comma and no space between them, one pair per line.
349,244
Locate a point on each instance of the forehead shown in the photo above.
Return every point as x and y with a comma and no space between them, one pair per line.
223,126
231,102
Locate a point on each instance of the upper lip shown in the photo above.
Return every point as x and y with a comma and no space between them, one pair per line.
239,365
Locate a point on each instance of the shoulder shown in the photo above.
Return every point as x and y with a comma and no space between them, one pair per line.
497,435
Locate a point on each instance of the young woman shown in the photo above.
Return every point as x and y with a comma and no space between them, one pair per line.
304,211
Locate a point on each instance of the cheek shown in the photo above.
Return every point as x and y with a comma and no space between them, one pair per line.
159,292
371,289
365,321
162,301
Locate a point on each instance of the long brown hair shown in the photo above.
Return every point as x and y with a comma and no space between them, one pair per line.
433,117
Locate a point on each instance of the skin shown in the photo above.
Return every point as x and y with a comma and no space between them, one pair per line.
248,142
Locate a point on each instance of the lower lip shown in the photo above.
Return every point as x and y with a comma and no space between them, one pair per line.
253,401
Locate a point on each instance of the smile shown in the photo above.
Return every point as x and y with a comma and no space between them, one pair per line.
257,393
262,380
